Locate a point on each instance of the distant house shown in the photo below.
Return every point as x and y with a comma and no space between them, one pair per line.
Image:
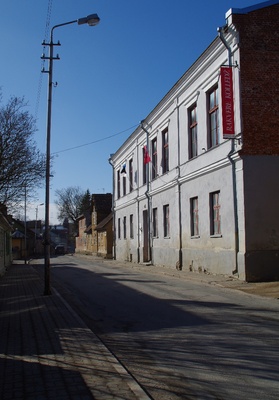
23,240
101,208
82,238
91,232
105,237
5,242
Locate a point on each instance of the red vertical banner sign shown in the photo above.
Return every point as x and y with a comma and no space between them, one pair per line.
227,102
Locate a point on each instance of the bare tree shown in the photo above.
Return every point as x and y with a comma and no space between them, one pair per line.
70,203
22,165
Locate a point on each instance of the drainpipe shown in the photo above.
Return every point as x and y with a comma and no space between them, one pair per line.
221,31
180,260
113,210
138,217
148,197
236,233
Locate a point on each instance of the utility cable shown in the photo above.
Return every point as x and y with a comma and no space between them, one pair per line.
95,141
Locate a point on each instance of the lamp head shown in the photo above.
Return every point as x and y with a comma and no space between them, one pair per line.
91,20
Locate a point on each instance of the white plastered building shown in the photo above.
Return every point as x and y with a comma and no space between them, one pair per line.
185,181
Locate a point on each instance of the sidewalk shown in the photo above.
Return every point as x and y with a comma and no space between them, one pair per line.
264,289
47,352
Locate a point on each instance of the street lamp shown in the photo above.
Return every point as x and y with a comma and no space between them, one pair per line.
91,20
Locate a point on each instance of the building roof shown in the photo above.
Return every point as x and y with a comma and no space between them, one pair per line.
87,216
255,7
104,222
18,235
4,222
88,229
20,226
102,202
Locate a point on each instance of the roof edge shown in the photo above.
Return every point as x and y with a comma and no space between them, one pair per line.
255,7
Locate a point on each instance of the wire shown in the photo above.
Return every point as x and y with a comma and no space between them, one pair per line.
49,8
95,141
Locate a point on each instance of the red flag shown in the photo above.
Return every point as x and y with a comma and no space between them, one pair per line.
146,158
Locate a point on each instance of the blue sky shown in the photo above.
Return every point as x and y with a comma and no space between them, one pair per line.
109,76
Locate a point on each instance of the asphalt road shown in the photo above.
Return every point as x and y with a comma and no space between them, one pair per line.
180,339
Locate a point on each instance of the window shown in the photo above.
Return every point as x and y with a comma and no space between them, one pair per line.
213,110
119,228
144,167
124,184
193,130
165,151
118,184
166,220
155,222
154,158
131,174
194,216
131,226
215,216
124,228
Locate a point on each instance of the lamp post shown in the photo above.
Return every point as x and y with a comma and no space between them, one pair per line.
41,204
91,20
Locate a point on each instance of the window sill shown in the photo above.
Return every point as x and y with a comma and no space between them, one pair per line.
216,236
195,237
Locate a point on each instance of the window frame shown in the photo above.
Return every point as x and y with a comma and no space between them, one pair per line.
166,220
213,115
154,159
144,168
124,184
215,215
131,226
194,217
119,228
118,184
165,151
155,233
131,172
193,131
124,227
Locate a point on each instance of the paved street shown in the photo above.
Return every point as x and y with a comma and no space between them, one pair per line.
46,350
181,337
175,336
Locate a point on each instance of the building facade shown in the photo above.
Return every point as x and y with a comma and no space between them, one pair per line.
84,237
95,227
105,237
101,208
195,185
